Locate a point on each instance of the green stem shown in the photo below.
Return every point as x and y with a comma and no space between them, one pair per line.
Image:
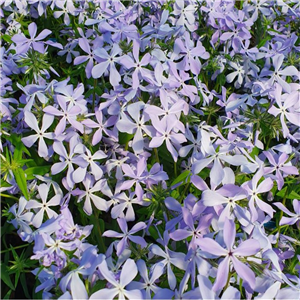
156,155
17,247
280,216
227,283
99,236
94,94
9,196
184,191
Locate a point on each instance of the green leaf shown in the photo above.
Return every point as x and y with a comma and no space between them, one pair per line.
5,277
6,38
125,137
181,177
281,193
21,182
41,170
24,285
293,195
7,296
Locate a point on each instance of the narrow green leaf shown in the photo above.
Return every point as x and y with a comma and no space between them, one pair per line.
5,277
24,285
181,177
125,137
21,182
282,192
293,195
7,296
41,170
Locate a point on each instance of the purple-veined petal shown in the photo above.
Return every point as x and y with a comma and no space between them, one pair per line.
99,69
244,272
211,246
222,274
128,273
246,248
229,233
180,234
212,198
105,294
28,141
77,288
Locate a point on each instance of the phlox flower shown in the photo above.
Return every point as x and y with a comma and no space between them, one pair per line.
294,217
185,14
22,218
253,189
286,108
278,73
80,173
28,141
127,235
228,195
85,46
108,62
137,64
67,7
91,187
125,203
88,263
128,273
101,125
148,285
166,134
217,172
68,159
43,207
68,113
194,231
135,125
23,44
281,168
190,54
245,248
69,51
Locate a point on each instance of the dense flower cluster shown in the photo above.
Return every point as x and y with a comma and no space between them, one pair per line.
169,130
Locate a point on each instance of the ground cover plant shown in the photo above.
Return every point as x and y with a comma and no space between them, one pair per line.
150,149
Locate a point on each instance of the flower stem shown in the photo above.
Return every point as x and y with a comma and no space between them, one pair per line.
156,155
99,235
280,216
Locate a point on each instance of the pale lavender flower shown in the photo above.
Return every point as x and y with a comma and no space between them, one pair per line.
166,134
278,73
23,44
127,235
90,195
169,258
43,207
68,113
68,159
31,121
136,127
101,125
281,168
286,104
245,248
137,64
294,217
22,218
108,62
128,273
253,189
148,285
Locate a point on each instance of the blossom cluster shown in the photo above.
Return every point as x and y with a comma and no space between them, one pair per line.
152,147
